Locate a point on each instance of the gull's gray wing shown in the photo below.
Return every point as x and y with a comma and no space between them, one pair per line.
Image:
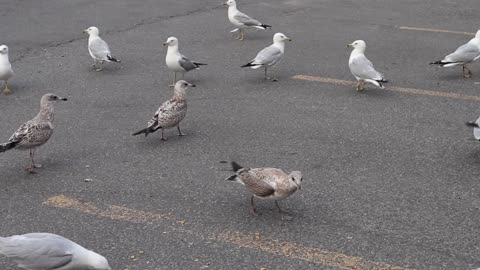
268,56
362,68
38,251
255,182
32,133
245,19
100,49
186,64
465,53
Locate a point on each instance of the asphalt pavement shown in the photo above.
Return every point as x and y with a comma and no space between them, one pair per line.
391,177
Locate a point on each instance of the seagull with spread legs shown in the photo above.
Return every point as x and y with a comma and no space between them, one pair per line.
176,61
362,68
47,251
271,55
5,68
35,132
98,49
170,113
465,54
267,183
242,20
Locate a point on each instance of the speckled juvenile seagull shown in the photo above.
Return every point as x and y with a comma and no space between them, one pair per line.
465,54
35,132
362,68
5,68
242,20
98,48
267,183
47,251
170,113
476,128
176,61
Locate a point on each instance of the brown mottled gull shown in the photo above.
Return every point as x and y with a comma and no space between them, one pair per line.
267,183
35,132
170,113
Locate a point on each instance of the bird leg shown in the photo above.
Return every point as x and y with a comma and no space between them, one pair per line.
94,63
32,164
101,66
253,211
284,215
242,35
266,77
163,138
466,72
360,86
174,79
6,90
179,131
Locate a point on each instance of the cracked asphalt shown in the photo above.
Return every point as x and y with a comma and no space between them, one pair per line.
391,178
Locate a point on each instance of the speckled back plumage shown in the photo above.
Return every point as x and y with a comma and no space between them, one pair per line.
170,113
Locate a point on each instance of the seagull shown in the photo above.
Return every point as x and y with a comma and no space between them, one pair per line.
47,251
465,54
362,68
176,61
170,113
5,68
98,48
271,55
242,20
476,128
35,132
267,183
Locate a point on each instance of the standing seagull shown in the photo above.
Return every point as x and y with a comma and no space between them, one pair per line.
476,128
46,251
5,68
271,55
465,54
170,113
362,68
35,132
267,183
177,62
98,48
242,20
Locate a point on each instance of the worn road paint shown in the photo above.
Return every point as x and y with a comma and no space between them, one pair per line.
435,30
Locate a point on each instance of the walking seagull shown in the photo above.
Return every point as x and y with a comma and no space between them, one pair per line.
98,49
177,62
267,183
35,132
170,113
362,68
271,55
5,68
46,251
465,54
242,20
476,128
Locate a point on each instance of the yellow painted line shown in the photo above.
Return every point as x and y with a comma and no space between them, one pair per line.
390,88
254,241
435,30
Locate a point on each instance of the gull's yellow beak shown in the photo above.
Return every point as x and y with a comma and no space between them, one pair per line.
85,31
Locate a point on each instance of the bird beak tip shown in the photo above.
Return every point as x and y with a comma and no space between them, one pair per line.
193,85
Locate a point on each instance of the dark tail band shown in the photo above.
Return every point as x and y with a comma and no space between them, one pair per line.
472,124
236,166
7,146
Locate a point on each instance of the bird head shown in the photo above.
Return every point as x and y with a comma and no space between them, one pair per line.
230,3
279,37
92,31
171,41
53,98
297,178
358,44
4,49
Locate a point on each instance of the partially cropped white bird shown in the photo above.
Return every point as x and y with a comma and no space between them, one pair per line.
6,71
47,251
98,49
465,54
362,68
271,55
242,20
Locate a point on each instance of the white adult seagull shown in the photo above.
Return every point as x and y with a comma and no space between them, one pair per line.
176,61
98,48
362,68
242,20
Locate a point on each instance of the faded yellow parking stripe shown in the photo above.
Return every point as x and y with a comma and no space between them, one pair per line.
239,239
390,88
435,30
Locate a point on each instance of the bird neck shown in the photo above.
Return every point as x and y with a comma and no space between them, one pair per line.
279,44
359,50
232,9
92,37
4,59
180,94
172,49
46,112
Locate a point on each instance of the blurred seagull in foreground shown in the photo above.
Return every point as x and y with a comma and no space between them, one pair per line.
35,132
177,62
170,113
362,68
242,20
46,251
465,54
476,128
271,55
267,183
5,68
98,49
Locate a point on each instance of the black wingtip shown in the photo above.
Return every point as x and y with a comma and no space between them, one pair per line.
236,166
113,59
232,178
199,64
472,124
266,26
248,65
